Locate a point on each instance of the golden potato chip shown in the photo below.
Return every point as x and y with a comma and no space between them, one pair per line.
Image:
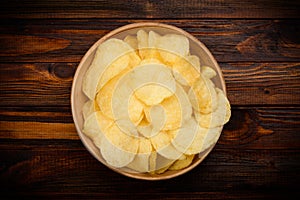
217,118
152,94
135,109
163,169
185,104
211,137
142,38
125,106
203,96
153,83
118,148
132,41
151,61
96,124
169,45
173,113
104,97
106,54
189,139
141,162
182,163
162,144
186,70
87,109
152,161
162,163
208,72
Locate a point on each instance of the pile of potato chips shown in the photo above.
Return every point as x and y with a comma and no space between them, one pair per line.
151,106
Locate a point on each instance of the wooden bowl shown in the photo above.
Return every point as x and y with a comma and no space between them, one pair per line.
78,98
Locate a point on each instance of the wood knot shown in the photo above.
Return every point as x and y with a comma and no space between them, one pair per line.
63,70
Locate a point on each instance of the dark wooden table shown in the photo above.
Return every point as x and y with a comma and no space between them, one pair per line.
257,45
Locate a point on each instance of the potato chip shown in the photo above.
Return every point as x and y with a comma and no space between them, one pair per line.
163,169
169,45
151,61
211,137
132,41
87,109
162,163
162,144
96,124
141,162
208,72
178,109
104,97
182,163
125,106
186,70
203,96
152,94
157,117
189,139
153,83
106,54
142,38
217,118
152,161
135,109
118,148
185,104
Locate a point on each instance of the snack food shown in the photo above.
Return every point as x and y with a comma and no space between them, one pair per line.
151,106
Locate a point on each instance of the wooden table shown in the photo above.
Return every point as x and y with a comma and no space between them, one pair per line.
256,44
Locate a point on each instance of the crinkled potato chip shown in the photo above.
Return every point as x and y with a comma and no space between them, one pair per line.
87,109
170,45
203,95
170,113
190,138
141,162
217,118
211,137
186,70
118,148
162,144
208,72
96,124
153,83
132,41
183,163
106,54
105,95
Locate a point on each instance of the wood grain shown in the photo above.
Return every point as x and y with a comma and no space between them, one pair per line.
255,128
228,40
30,172
49,84
150,9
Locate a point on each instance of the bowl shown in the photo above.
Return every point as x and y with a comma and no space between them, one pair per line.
78,98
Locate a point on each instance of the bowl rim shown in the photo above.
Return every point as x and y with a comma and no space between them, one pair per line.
92,49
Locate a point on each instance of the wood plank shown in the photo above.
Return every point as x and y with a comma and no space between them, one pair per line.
36,84
150,9
262,83
228,40
61,171
49,84
248,128
216,195
37,130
